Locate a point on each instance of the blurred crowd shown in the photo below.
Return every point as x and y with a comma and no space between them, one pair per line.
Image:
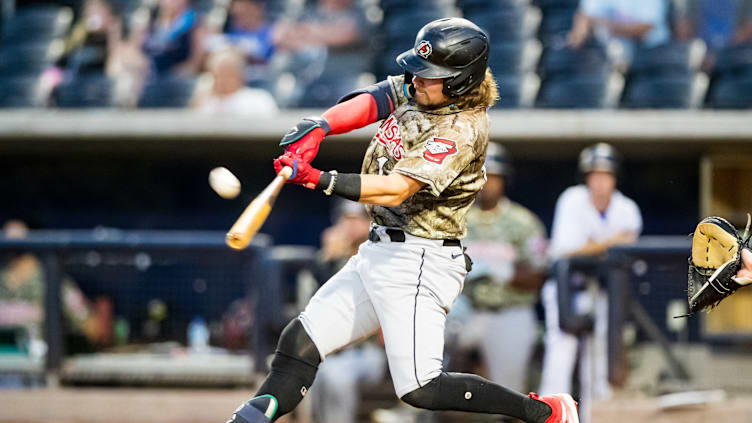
252,57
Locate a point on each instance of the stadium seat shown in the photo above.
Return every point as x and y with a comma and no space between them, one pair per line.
734,60
167,92
400,7
562,4
733,92
584,60
36,24
510,91
17,92
501,25
666,59
475,7
580,91
506,58
658,91
85,92
387,65
326,90
25,59
404,27
555,24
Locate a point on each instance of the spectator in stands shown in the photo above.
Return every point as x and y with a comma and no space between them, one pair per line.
225,93
335,392
174,42
508,246
93,39
717,22
631,23
91,46
22,290
249,32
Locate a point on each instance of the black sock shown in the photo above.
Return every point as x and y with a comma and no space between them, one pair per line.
288,383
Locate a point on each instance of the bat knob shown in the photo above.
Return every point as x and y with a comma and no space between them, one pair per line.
235,241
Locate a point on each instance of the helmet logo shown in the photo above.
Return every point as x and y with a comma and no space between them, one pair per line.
424,49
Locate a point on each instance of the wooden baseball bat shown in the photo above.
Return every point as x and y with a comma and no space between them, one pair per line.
255,214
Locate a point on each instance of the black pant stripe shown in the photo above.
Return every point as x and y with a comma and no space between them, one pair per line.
415,314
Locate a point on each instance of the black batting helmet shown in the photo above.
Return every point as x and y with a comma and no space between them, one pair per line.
498,161
454,49
601,156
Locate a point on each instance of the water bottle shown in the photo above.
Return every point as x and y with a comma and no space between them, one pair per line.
198,335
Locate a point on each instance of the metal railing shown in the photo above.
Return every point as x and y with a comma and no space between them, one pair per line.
130,266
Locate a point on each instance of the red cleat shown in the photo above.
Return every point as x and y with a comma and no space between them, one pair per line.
563,407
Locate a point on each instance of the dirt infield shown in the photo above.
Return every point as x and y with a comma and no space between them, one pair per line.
98,405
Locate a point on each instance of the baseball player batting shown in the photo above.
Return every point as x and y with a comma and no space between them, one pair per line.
418,180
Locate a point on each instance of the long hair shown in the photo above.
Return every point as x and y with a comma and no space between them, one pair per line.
486,94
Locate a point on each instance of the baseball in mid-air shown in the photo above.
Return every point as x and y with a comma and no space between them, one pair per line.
224,183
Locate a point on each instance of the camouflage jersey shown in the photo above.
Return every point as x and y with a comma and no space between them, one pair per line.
498,240
444,148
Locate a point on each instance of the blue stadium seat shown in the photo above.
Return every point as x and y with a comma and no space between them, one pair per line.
501,25
573,91
510,90
17,92
734,60
167,92
403,27
506,58
35,24
326,90
555,24
24,59
658,92
666,59
475,7
561,4
584,60
395,7
85,92
733,92
387,65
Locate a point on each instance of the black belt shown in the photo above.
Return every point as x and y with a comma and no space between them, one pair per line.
396,235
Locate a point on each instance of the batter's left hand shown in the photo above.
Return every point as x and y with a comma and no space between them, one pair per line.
302,171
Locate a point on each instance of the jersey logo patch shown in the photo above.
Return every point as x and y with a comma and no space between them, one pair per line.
424,49
437,149
389,136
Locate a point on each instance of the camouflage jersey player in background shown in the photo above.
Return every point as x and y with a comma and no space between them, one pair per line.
419,177
508,245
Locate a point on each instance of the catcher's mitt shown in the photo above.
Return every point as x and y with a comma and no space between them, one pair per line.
715,261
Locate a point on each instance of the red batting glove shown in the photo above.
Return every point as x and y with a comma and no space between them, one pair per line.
308,146
302,171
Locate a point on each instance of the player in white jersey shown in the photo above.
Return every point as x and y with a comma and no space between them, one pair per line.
419,177
588,220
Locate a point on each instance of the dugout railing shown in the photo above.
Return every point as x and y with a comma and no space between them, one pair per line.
644,282
193,273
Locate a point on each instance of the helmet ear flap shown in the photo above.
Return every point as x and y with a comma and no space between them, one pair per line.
407,87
